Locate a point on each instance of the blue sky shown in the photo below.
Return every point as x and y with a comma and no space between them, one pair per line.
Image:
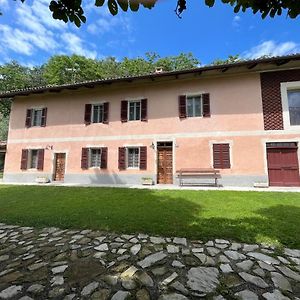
29,34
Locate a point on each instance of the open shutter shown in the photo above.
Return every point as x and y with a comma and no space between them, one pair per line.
143,158
28,118
24,159
85,158
182,106
44,117
122,158
104,158
105,112
221,156
40,164
144,113
206,105
124,110
88,114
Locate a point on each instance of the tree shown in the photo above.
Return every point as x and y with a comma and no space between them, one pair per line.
231,59
72,11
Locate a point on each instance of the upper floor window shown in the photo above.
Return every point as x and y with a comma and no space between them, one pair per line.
97,113
134,110
294,106
36,117
194,106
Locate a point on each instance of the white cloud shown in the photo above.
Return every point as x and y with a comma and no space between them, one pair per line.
271,48
4,4
74,44
236,21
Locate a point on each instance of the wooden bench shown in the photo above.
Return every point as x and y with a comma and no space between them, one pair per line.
198,173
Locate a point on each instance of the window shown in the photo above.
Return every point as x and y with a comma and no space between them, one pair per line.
134,110
194,106
221,156
95,158
133,157
97,113
294,106
36,117
33,159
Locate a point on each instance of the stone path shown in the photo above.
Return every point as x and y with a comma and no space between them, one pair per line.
71,264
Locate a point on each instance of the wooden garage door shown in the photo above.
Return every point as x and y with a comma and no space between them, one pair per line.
283,167
164,163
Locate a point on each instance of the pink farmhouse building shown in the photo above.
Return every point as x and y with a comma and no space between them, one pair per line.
241,118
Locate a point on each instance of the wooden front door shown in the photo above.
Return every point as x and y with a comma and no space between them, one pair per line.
59,167
164,163
283,167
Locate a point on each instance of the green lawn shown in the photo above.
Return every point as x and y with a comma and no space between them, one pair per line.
240,216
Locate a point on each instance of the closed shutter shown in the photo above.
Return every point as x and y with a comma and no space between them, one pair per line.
44,117
124,109
24,159
143,158
28,118
206,105
104,158
40,164
122,158
88,114
221,156
85,158
144,113
105,112
182,106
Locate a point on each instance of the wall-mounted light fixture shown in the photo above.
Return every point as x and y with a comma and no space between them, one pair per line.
152,146
49,147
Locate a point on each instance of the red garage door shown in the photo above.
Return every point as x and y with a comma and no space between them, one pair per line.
283,167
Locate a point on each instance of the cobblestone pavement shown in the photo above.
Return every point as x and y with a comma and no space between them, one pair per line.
82,264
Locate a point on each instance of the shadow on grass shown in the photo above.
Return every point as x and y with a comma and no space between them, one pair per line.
154,212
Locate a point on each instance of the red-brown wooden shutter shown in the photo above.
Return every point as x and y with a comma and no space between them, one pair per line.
182,106
40,164
206,105
124,111
28,118
24,159
44,117
85,158
144,113
122,158
143,158
221,156
88,114
104,158
105,112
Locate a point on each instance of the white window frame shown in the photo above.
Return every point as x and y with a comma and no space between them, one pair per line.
128,110
285,87
33,110
92,115
127,156
189,97
90,157
29,159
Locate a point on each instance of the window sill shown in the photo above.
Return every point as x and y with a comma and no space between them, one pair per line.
132,168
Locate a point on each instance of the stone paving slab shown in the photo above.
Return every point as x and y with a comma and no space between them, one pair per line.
51,263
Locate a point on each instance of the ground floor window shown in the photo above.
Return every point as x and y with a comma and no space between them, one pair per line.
95,158
133,157
221,156
33,159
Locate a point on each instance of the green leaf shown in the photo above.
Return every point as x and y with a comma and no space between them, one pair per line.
123,4
113,7
99,3
210,3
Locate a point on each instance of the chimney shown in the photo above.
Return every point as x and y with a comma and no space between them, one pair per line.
158,70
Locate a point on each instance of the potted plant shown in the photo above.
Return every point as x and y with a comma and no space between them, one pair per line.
147,181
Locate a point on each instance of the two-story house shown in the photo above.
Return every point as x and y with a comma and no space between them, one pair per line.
241,118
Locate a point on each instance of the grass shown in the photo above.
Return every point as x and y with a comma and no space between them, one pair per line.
241,216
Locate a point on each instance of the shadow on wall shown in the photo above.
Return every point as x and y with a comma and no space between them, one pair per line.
99,177
2,159
154,212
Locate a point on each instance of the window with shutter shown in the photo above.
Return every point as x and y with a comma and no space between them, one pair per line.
24,159
182,106
94,157
88,114
28,118
221,156
144,113
122,158
206,105
44,117
84,158
124,110
104,157
40,161
105,112
143,158
133,157
134,110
